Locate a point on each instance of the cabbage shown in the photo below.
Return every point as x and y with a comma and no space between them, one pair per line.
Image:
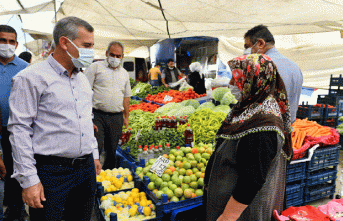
167,107
219,92
228,99
209,105
222,108
185,111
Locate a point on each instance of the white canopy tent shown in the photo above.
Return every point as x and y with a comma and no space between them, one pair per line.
307,31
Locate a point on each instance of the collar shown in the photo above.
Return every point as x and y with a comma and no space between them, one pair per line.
58,67
272,50
15,61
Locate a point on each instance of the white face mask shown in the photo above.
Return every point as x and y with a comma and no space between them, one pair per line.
7,50
86,57
236,92
248,50
114,62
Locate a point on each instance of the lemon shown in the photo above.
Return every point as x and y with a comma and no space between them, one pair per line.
147,211
135,190
118,184
136,200
132,211
121,179
129,178
149,202
103,198
144,203
118,200
107,211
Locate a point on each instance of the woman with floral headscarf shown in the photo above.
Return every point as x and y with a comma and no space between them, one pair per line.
245,177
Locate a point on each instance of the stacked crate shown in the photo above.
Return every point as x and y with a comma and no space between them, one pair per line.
295,182
321,174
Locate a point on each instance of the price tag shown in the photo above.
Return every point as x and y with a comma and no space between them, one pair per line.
159,166
167,98
137,135
137,90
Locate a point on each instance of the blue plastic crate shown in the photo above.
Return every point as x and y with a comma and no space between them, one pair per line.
138,184
318,192
323,158
322,176
294,202
184,214
168,207
310,112
136,98
330,112
294,191
295,172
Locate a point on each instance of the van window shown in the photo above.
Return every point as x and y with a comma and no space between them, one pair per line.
129,66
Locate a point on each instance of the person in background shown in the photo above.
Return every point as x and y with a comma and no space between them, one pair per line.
260,40
112,91
153,75
3,174
52,47
171,73
10,65
245,177
141,77
26,56
196,78
55,153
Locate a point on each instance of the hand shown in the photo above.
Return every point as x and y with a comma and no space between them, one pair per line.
97,166
166,85
34,195
2,168
126,122
95,128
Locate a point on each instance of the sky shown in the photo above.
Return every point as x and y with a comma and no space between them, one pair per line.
27,21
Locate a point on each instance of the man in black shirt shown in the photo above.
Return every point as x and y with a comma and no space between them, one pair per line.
171,73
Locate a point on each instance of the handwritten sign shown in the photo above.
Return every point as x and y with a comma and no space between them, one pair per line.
167,98
159,166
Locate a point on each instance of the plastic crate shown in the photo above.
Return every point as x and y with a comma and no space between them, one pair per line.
168,207
136,98
322,176
323,158
326,99
183,214
294,202
296,171
310,112
294,193
318,192
138,184
330,112
329,122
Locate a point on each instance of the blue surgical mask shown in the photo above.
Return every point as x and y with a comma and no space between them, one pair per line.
86,57
248,50
114,62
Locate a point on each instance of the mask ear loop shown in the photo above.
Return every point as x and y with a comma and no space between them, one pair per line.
78,51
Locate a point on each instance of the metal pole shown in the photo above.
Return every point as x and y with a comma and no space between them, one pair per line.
55,11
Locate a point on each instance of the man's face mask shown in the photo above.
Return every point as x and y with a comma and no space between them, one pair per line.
7,50
248,50
86,56
114,62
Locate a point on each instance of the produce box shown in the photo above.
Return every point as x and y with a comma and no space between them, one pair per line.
323,158
318,192
294,194
321,176
309,111
296,171
197,213
119,206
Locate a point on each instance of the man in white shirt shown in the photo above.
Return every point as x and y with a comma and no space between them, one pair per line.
110,83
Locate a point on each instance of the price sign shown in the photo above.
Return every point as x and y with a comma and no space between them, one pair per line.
137,90
159,166
167,98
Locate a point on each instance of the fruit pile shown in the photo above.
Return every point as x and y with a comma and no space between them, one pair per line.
131,205
184,178
174,96
115,179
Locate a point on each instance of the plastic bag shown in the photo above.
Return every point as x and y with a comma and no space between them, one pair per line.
174,84
333,209
305,213
220,82
184,86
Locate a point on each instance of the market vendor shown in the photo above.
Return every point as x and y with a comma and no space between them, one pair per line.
245,177
171,73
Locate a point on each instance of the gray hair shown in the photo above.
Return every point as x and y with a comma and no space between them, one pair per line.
115,43
53,45
69,27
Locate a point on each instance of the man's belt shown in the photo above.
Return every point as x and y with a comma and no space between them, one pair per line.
62,161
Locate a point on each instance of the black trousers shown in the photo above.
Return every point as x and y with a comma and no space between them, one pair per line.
109,131
13,191
69,190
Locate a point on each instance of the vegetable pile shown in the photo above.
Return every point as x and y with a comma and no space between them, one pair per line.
205,123
142,90
147,107
162,137
173,96
304,127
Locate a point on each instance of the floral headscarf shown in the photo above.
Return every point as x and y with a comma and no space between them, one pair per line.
264,105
